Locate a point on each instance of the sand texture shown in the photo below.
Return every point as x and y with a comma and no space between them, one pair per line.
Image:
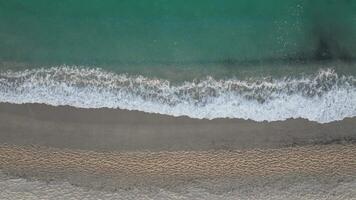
46,152
322,160
122,130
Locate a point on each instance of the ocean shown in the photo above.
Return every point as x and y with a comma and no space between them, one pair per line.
257,60
193,78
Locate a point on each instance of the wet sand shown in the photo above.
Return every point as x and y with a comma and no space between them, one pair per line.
127,153
122,130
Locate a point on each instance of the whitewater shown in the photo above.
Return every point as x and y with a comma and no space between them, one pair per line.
323,97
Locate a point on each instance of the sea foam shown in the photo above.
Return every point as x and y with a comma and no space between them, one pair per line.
322,97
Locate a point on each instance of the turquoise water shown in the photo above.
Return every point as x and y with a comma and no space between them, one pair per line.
150,33
250,59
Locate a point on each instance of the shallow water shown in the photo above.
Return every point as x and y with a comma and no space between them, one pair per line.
282,188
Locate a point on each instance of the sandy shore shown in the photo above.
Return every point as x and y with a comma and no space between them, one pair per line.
171,168
122,130
130,151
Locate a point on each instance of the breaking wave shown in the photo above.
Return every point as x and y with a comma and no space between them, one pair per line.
322,97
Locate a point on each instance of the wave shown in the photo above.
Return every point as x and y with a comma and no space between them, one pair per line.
322,97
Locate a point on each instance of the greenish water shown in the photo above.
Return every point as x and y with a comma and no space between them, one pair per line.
142,34
249,59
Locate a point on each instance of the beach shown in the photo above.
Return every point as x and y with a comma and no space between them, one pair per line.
122,130
302,172
200,99
164,168
113,149
72,132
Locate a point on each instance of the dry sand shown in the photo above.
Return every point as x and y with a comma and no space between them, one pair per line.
173,167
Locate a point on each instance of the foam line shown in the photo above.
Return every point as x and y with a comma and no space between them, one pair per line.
322,97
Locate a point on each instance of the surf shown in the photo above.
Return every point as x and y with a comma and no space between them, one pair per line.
324,96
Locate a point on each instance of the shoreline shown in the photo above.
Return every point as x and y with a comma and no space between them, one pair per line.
122,130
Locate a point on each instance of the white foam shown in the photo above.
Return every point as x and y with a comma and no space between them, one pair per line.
322,97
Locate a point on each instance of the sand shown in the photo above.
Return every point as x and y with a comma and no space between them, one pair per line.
122,130
131,154
167,168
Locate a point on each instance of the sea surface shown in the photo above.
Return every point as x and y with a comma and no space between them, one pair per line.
258,60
